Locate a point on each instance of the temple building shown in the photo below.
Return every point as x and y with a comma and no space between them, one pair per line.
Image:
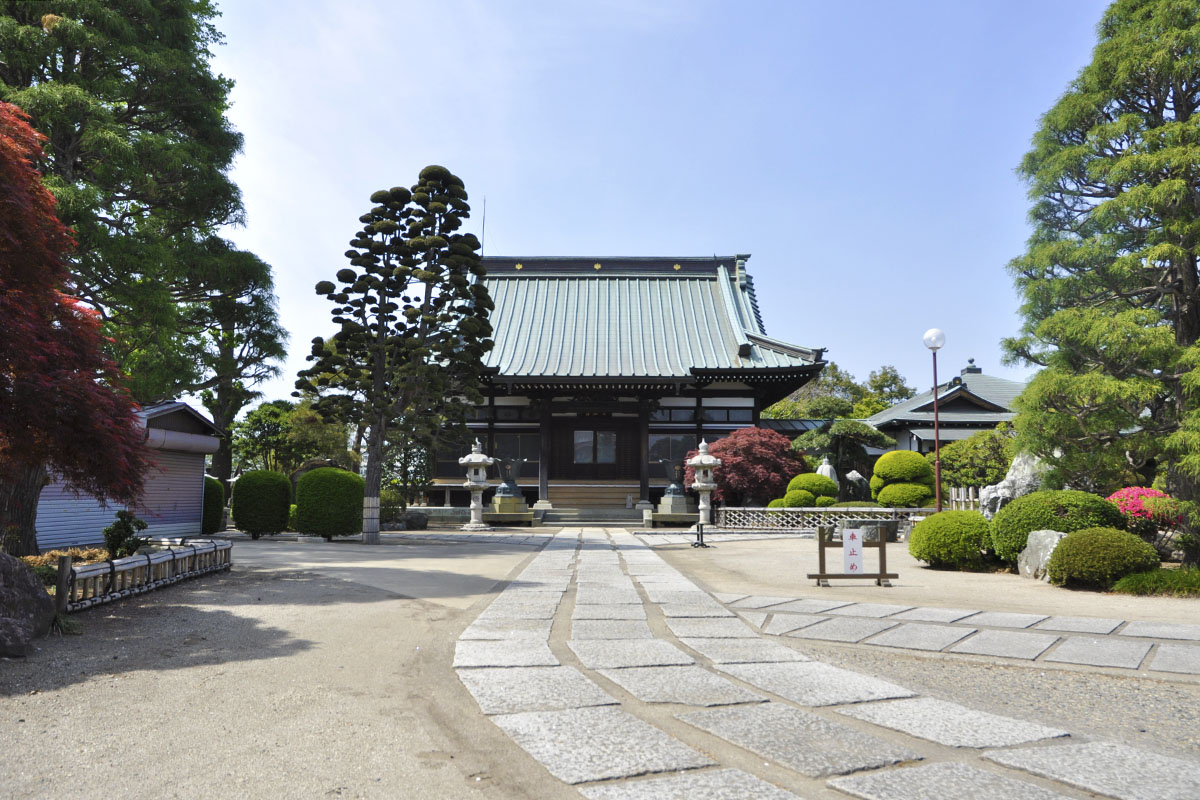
607,370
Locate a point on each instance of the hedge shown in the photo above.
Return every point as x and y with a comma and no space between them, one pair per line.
953,539
260,502
1099,557
799,498
776,503
825,501
329,502
903,466
214,507
1064,510
818,485
904,495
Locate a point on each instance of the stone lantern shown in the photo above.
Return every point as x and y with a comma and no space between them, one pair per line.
704,464
477,465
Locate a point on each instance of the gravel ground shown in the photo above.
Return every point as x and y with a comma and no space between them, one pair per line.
256,684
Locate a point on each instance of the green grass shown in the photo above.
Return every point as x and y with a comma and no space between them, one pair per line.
1177,582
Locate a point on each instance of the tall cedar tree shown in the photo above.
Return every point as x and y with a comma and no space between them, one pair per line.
138,154
756,465
1109,280
60,405
414,325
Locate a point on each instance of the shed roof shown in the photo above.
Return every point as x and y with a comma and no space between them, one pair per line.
633,319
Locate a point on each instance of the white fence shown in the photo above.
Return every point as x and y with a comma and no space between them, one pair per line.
962,498
807,519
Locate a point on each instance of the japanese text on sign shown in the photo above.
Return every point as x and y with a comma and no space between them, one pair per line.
852,552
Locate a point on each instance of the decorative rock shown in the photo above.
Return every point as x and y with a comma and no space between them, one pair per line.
1024,477
26,610
1036,556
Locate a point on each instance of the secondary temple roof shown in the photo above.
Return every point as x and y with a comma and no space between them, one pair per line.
633,318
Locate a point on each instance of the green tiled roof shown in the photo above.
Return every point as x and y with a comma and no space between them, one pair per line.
631,318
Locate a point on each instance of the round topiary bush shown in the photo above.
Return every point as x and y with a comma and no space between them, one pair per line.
1064,511
954,539
799,498
1099,557
903,466
260,502
776,503
824,501
329,502
213,519
818,485
904,495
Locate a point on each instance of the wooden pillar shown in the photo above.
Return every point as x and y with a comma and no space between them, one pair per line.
544,452
644,449
490,445
699,416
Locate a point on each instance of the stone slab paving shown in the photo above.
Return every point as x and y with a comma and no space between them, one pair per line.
786,623
721,784
1183,658
743,651
798,739
606,597
1079,624
1007,644
867,610
513,689
1104,652
616,653
951,781
1003,619
921,636
760,601
755,618
1161,630
504,628
843,629
808,606
595,744
710,628
923,614
673,595
609,612
949,723
726,597
695,610
519,610
1108,768
693,686
511,653
610,629
813,683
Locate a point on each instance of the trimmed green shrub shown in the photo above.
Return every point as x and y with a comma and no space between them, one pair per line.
904,495
824,501
214,507
953,539
1099,557
329,502
261,500
121,537
776,503
876,483
903,466
818,485
857,504
1063,510
1174,582
798,498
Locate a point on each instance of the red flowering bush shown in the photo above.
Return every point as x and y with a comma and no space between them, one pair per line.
1145,510
756,465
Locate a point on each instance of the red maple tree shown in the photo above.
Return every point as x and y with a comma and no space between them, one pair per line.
62,410
756,465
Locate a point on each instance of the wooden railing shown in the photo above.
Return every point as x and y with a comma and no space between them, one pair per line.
808,519
86,585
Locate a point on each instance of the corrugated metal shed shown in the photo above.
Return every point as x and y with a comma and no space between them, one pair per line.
628,318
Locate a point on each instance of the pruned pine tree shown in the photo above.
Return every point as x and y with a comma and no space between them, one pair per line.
1109,279
407,361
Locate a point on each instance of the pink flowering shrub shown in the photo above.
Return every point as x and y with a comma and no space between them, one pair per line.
1146,510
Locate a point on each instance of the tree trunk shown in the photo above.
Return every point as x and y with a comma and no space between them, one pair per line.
18,510
373,480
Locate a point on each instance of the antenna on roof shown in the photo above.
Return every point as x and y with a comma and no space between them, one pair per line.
483,231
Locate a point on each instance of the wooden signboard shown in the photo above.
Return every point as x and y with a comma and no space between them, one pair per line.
857,536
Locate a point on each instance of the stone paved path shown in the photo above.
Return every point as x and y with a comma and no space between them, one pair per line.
624,679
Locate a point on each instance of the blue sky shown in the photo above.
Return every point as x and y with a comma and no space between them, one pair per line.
862,152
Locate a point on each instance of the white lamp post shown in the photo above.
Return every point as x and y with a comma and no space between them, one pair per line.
934,339
477,465
704,464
